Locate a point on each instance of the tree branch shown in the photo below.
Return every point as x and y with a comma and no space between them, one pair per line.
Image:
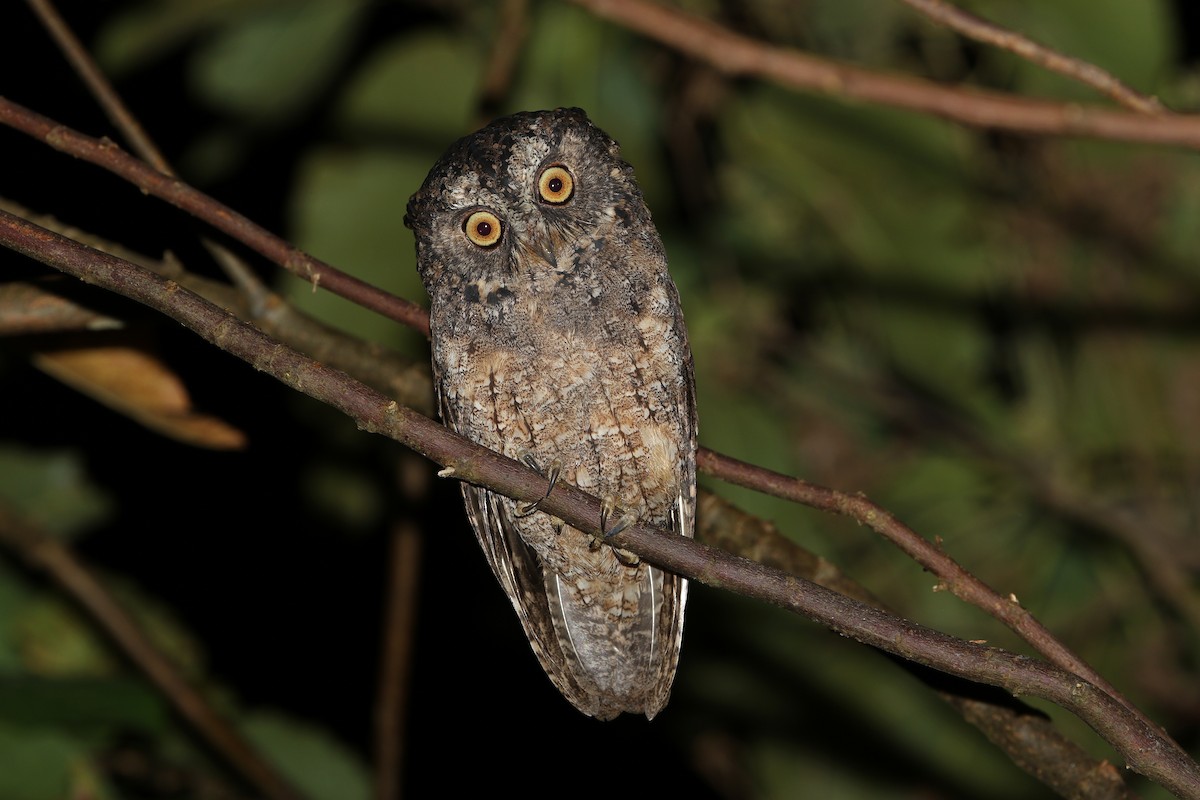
378,367
1024,734
735,54
951,575
1141,745
48,554
1030,740
107,154
98,84
982,30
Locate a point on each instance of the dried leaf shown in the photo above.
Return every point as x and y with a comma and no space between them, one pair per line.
27,307
134,382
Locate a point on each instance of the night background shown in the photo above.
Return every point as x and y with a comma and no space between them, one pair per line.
994,336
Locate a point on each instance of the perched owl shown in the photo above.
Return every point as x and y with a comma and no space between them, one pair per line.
558,340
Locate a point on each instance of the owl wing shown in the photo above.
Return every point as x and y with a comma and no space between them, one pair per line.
669,635
531,588
520,575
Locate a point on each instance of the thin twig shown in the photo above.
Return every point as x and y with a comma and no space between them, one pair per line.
377,366
982,30
1028,738
404,570
1167,576
123,119
951,575
1143,747
98,84
107,154
511,29
391,712
735,54
49,554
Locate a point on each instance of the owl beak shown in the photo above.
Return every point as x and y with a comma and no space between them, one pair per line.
547,246
549,253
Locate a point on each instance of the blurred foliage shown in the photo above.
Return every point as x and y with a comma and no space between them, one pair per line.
994,337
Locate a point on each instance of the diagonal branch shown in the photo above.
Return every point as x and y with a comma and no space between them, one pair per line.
982,30
48,554
735,54
107,154
1028,738
952,575
1143,747
98,84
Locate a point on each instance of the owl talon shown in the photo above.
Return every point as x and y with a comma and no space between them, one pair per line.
525,509
606,512
627,558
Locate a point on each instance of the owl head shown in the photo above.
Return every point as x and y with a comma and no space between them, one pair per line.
538,190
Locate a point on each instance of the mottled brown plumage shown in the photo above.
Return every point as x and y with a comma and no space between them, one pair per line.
558,337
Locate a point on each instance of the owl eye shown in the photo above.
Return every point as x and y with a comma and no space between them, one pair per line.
556,185
483,228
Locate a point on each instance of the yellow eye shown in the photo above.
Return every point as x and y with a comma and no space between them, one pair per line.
556,185
483,228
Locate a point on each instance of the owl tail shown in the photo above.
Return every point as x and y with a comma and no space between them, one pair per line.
608,628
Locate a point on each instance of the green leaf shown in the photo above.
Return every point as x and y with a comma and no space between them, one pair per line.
817,180
39,765
309,757
424,84
54,641
86,703
147,31
348,209
267,66
1132,39
51,488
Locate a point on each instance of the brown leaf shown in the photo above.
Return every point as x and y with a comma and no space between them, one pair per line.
133,381
38,307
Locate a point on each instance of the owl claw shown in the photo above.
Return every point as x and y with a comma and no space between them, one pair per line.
627,558
624,521
606,512
525,509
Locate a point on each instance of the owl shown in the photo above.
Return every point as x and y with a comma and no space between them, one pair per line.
558,339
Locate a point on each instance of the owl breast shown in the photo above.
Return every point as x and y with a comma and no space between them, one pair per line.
595,387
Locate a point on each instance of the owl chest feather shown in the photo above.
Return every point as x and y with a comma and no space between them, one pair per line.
591,386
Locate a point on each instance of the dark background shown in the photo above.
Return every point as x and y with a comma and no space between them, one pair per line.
285,594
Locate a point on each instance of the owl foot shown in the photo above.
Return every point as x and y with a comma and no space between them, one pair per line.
525,509
606,512
623,521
